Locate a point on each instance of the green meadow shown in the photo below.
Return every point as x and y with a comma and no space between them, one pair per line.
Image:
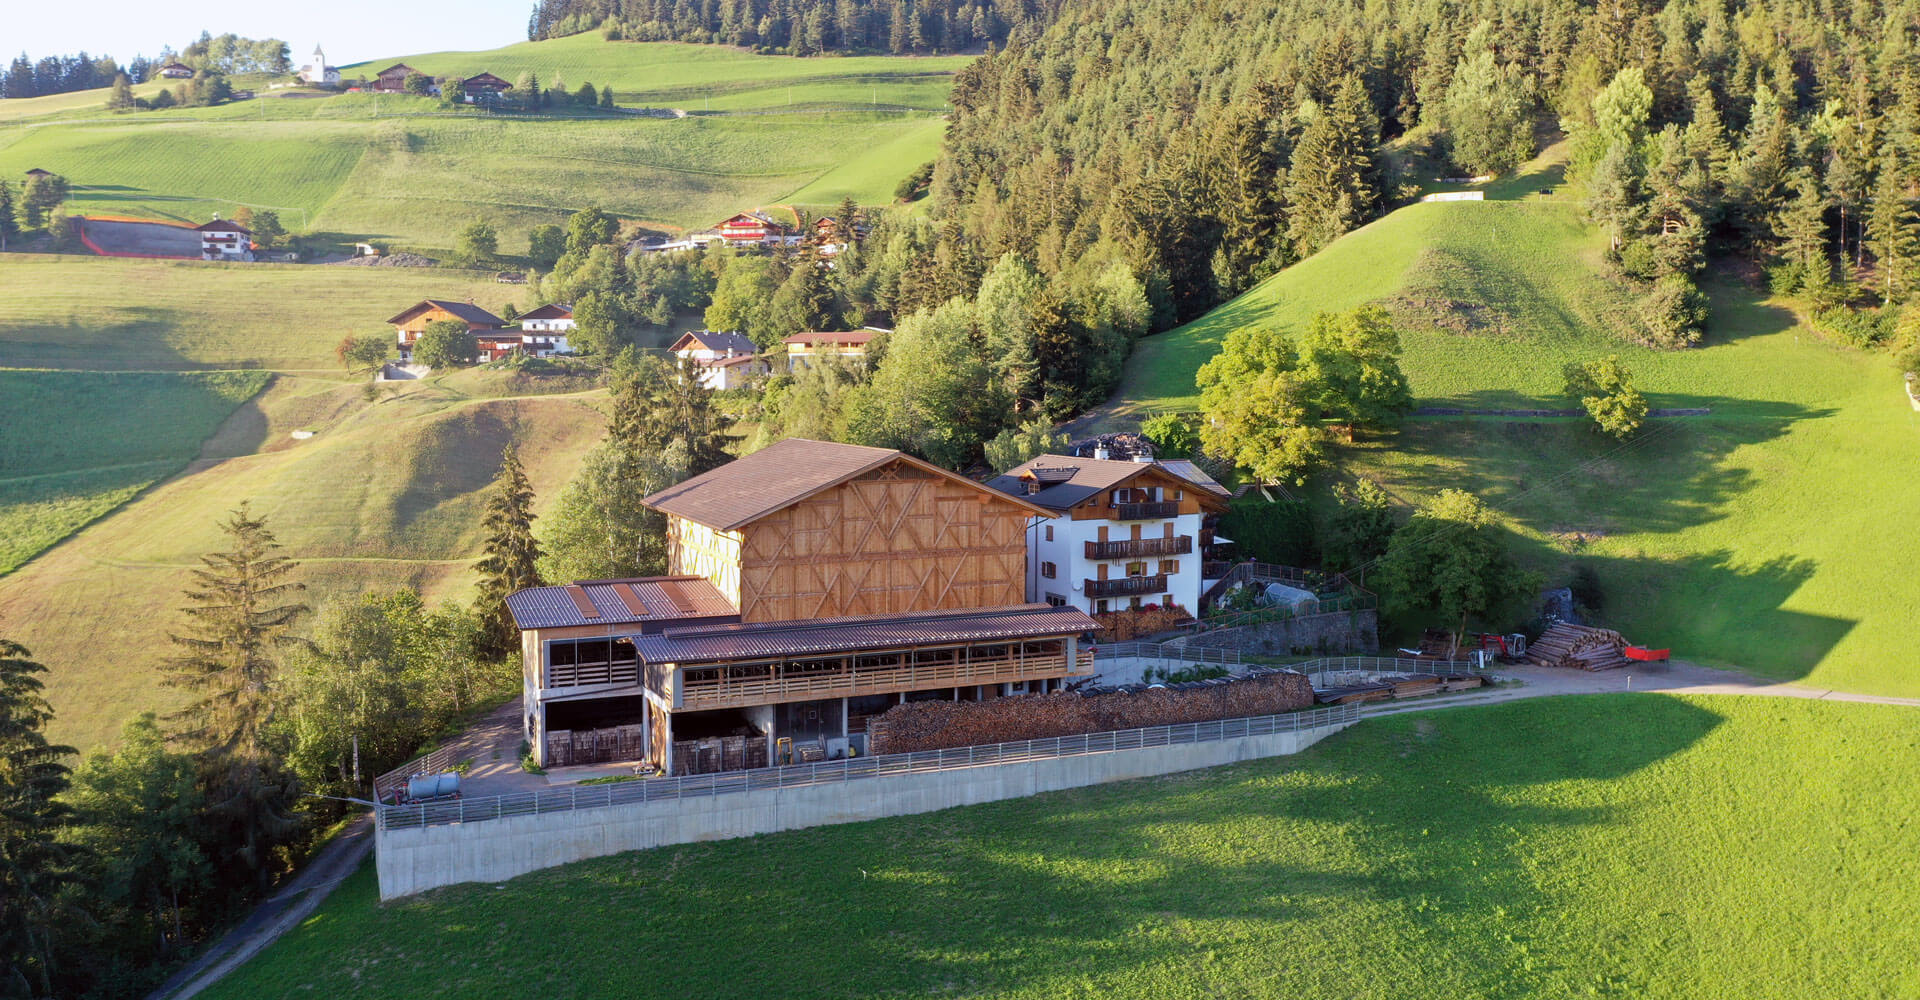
80,444
762,130
1761,536
1638,846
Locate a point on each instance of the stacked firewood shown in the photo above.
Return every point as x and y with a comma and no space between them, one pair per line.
1578,646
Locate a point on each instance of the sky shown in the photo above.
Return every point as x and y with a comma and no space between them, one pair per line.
351,30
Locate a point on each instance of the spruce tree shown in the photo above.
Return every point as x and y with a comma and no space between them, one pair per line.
1893,235
9,221
240,606
1329,188
510,562
1803,229
34,861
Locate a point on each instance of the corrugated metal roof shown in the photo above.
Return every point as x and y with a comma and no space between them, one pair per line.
1192,473
1065,480
664,598
710,643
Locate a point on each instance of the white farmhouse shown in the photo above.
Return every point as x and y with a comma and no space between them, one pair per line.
724,360
1123,534
544,330
223,239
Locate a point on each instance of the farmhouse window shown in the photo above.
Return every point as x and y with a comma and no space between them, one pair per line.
1049,570
1056,600
1137,568
1100,607
1049,532
1168,567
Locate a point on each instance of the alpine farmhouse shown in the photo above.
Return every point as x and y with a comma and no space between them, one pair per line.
811,586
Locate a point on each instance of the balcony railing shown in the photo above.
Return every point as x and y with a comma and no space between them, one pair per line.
1129,547
728,691
1147,511
1127,586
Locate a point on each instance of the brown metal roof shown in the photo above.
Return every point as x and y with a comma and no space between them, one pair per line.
472,314
838,338
552,311
756,640
1065,480
647,600
781,475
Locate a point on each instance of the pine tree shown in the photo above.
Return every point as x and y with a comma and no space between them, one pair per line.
1893,235
510,560
9,221
121,96
34,862
239,608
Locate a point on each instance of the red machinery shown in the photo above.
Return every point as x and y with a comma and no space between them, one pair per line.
1647,655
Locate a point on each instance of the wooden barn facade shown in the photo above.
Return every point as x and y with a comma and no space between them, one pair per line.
814,585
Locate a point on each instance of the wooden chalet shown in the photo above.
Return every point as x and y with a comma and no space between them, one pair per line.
39,172
177,71
753,229
814,585
410,324
393,79
843,345
485,88
722,360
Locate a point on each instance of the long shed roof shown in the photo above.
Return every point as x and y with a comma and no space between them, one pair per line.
709,643
619,602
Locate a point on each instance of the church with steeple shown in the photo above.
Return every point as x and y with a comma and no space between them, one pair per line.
318,72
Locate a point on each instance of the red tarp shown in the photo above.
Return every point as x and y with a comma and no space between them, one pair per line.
1636,653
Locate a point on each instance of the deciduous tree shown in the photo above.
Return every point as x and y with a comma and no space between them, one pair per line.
445,343
1605,388
1351,362
1451,561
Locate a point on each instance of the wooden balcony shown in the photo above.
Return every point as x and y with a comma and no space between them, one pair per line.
763,684
1147,511
1130,547
1127,586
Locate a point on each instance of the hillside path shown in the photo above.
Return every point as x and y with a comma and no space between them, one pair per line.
280,913
1677,677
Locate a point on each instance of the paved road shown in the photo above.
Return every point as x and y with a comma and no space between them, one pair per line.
276,916
1678,677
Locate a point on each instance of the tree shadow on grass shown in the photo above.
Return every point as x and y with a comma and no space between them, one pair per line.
1399,845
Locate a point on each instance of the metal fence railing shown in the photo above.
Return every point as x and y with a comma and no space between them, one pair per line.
1324,672
435,762
480,809
1168,651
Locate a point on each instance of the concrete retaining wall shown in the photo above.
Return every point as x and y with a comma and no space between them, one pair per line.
416,860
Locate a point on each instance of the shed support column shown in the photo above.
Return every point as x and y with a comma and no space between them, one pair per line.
666,743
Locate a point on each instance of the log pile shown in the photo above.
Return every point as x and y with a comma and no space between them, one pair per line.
1580,647
935,725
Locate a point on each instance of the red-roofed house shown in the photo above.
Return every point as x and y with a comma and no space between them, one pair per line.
545,330
224,239
754,229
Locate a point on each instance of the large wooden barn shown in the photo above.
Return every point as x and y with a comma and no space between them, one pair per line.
813,586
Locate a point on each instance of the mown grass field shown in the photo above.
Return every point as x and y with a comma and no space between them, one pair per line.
402,169
1636,846
1761,536
103,314
76,445
386,493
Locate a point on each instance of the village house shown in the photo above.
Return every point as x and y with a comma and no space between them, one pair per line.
177,71
830,237
39,172
812,585
225,240
318,73
1117,535
483,89
749,229
849,346
544,330
410,324
723,360
393,79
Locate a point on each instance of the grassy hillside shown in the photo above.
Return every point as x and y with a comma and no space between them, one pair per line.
110,314
404,169
1614,846
384,494
1738,538
78,445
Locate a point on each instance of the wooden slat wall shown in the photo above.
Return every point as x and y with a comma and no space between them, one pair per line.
896,540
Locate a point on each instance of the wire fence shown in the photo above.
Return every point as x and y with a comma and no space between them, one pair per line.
1329,672
415,816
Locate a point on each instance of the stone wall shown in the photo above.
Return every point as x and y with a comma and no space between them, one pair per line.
1331,633
935,725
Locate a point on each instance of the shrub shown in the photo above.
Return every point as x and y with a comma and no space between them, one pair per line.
1270,531
1172,434
1674,312
1856,327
